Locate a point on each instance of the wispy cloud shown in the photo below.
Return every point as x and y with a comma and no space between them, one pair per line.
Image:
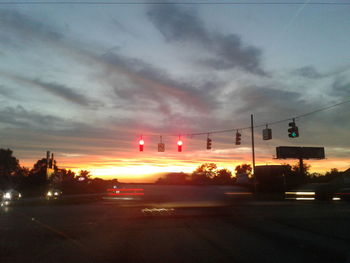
59,90
63,92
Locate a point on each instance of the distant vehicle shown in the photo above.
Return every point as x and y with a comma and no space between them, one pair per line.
118,193
52,194
309,192
337,189
342,194
11,195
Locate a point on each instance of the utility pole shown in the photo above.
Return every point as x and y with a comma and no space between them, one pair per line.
253,150
47,164
301,167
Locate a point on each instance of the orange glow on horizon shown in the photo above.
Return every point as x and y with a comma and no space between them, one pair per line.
149,169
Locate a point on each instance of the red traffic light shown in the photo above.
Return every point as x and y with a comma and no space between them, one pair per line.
141,143
179,146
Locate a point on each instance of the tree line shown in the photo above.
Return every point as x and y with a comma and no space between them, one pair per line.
208,173
35,181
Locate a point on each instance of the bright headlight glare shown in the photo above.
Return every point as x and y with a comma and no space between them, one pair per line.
7,195
55,193
49,193
300,193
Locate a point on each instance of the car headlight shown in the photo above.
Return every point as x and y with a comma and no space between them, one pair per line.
7,195
49,193
56,193
19,195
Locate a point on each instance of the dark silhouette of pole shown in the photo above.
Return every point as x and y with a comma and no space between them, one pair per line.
253,150
301,166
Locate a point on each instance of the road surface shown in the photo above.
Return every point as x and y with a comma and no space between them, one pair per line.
251,231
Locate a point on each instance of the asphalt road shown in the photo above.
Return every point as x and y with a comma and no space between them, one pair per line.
108,232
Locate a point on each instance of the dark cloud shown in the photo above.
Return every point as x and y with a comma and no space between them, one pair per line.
14,22
34,131
266,99
341,88
19,117
311,72
59,90
308,72
177,25
63,92
156,86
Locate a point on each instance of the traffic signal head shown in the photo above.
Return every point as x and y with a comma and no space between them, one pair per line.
141,143
238,138
293,131
296,132
208,143
179,146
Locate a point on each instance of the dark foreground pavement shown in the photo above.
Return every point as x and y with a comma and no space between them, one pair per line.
107,232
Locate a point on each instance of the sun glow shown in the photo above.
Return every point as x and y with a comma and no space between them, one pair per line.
146,168
137,172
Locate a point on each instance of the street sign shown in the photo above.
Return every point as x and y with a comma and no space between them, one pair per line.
285,152
161,147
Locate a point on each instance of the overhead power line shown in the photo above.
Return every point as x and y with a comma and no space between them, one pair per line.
255,126
164,3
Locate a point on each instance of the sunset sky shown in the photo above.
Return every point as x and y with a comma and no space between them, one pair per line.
85,81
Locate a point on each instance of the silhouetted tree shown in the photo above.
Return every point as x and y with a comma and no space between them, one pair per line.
10,170
224,176
244,169
37,179
332,174
204,173
306,169
84,173
173,178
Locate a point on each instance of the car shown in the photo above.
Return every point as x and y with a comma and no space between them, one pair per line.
310,192
342,194
53,194
11,195
119,193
